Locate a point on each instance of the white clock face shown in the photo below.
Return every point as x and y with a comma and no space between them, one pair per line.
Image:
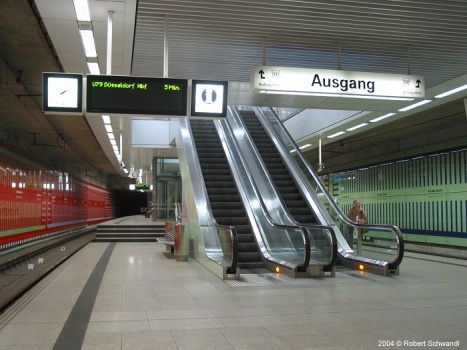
62,92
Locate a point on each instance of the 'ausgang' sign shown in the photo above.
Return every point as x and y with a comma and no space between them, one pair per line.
335,82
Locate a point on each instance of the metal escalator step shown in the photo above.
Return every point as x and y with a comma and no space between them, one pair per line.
224,198
220,181
232,221
247,247
291,189
217,175
231,213
293,196
245,237
222,190
226,205
305,219
209,160
285,183
249,257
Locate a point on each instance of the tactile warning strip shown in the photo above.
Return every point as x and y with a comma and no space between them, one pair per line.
255,280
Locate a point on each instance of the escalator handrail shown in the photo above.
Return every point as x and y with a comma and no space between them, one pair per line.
399,239
230,229
329,230
305,235
234,239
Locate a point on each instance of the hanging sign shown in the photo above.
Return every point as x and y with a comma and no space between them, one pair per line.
209,98
335,82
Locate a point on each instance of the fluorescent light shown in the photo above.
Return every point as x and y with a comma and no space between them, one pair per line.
87,37
453,91
94,68
414,105
382,117
305,146
111,135
336,134
106,119
132,186
82,10
292,151
113,142
357,126
108,128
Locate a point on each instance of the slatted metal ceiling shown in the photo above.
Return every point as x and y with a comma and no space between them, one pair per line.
223,39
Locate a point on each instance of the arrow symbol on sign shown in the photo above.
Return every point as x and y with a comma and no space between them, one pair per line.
261,72
418,82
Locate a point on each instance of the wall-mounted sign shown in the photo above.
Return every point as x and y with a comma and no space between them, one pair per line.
209,98
62,93
136,95
145,187
335,82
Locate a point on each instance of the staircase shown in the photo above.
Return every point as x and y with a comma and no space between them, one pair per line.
226,203
115,232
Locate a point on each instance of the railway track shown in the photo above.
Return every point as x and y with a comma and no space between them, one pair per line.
22,267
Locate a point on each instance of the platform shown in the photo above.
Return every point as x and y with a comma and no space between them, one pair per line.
136,296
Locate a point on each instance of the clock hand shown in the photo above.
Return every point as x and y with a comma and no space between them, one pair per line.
63,92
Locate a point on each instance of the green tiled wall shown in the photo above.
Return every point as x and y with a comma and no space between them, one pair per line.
425,196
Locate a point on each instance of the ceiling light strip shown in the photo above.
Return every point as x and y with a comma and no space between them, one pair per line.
382,117
453,91
336,134
415,105
82,10
357,126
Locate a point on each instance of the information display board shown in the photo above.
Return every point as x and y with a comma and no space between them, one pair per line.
62,93
209,98
136,95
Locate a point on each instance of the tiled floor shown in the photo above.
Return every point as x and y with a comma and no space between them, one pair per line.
136,296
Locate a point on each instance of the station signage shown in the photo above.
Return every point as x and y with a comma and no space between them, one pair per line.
144,187
335,82
136,95
209,98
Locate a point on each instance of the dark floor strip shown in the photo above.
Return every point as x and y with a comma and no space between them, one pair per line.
74,330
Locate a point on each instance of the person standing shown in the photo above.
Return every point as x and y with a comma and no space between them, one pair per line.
357,215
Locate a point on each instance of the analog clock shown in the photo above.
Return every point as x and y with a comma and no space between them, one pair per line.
62,92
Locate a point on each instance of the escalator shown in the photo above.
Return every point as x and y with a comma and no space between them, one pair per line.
387,253
283,180
224,199
293,199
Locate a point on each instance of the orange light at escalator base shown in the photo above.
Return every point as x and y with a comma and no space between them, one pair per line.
278,270
361,267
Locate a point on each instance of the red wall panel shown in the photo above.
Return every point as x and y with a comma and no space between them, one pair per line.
36,199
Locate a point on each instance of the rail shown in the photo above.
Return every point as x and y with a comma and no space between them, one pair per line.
29,269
